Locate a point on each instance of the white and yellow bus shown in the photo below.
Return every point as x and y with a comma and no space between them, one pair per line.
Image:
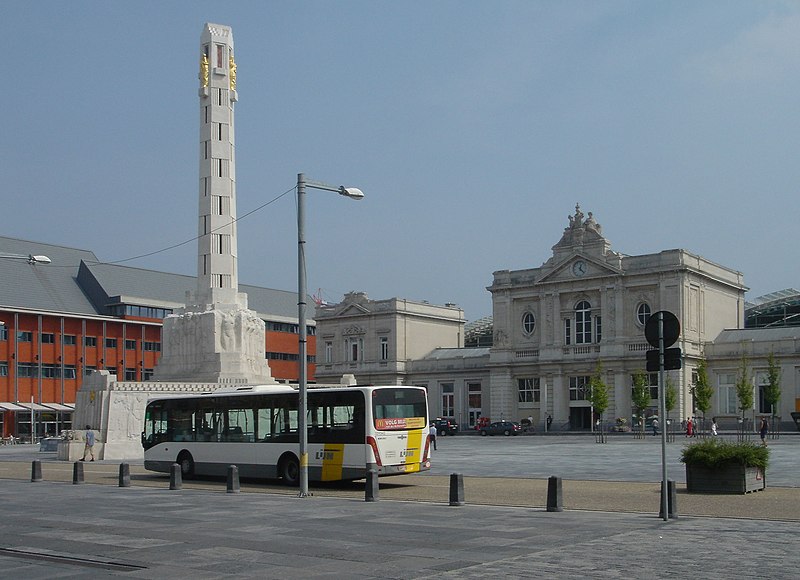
350,429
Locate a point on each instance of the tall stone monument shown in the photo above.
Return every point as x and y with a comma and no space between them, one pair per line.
216,338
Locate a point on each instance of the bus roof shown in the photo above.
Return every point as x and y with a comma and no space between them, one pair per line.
270,389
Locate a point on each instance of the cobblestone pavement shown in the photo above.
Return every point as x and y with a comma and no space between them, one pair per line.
59,530
609,529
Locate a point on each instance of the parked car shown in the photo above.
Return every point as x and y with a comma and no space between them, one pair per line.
501,427
446,426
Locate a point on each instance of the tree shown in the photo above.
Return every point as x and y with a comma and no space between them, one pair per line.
598,396
772,391
702,389
670,398
640,395
744,390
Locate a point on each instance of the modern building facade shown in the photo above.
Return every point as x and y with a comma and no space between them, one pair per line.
75,315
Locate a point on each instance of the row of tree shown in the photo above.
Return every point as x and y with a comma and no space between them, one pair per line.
702,390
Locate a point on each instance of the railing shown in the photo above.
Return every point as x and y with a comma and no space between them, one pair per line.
638,346
581,349
529,353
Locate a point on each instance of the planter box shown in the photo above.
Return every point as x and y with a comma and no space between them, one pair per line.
727,479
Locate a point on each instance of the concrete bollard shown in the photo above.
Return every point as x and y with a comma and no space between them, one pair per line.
124,475
456,489
672,500
175,479
233,479
555,494
36,470
371,489
77,473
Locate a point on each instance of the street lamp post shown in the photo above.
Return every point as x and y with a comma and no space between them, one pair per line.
302,427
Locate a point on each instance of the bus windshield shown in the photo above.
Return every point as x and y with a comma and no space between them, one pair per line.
398,409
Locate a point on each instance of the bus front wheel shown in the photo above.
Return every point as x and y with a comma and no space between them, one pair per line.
289,470
186,461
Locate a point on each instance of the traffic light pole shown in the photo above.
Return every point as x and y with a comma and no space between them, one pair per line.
662,411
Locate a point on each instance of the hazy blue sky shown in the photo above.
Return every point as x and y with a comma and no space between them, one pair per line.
472,127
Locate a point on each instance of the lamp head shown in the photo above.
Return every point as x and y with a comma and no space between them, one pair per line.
351,192
38,259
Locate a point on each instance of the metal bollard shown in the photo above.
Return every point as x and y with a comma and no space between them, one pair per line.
124,475
36,470
233,479
371,489
175,479
672,500
77,473
456,489
555,494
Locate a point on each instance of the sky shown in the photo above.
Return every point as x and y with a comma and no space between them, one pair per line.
472,127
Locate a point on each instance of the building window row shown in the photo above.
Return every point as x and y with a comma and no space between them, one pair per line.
71,340
652,384
529,390
587,328
578,387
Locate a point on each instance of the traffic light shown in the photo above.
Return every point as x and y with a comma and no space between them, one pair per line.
672,359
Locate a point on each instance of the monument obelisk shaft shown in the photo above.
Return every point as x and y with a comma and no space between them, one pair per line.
216,338
217,278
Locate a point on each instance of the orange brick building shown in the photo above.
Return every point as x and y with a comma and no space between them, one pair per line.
61,320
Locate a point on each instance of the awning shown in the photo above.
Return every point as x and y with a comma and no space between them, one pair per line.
12,407
60,407
27,407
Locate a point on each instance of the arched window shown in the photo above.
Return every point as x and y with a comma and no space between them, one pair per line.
583,322
528,323
643,313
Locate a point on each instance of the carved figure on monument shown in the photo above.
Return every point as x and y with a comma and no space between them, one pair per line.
204,69
227,331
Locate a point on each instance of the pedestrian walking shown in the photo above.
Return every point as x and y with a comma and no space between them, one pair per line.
714,427
655,427
89,447
689,427
432,432
764,430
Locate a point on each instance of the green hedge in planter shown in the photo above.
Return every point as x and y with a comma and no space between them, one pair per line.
714,453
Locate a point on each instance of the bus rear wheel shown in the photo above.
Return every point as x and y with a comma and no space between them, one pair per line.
289,470
186,461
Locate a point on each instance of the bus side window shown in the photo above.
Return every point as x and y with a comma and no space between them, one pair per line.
264,423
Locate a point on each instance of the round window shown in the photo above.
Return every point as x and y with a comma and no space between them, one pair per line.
643,313
528,323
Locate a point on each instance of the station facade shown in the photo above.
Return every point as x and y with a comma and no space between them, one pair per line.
552,328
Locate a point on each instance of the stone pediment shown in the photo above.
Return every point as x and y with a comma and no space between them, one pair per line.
353,309
578,267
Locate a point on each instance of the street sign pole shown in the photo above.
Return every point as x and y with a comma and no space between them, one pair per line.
662,411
